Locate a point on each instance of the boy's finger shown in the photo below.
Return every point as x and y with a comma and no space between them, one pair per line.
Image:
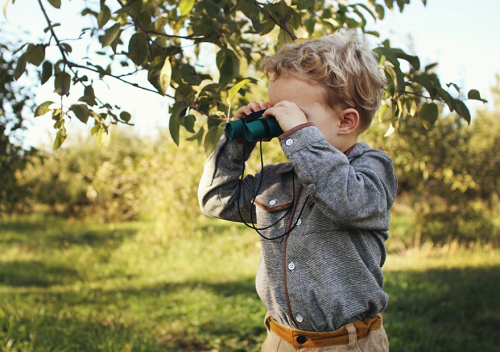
264,104
242,111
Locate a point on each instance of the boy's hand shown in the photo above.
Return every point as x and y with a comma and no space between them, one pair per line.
252,107
287,114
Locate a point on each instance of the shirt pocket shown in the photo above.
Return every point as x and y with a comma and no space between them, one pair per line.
272,213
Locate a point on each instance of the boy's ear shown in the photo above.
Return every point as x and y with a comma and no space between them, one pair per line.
349,121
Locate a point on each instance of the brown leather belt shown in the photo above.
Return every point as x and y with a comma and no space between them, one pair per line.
299,338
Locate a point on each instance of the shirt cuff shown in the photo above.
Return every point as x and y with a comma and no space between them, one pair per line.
295,129
300,139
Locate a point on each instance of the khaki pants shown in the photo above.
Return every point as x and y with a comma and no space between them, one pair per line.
375,341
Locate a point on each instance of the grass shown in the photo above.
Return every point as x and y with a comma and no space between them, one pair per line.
130,287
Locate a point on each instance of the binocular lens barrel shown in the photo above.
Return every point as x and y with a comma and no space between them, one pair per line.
253,127
262,129
235,129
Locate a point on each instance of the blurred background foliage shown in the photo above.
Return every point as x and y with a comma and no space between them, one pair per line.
448,184
448,175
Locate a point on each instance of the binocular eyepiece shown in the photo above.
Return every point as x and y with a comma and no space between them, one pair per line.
253,127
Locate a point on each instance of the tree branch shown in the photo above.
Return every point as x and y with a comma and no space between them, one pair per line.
119,77
278,23
49,22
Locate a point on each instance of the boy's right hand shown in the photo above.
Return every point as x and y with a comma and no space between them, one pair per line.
252,107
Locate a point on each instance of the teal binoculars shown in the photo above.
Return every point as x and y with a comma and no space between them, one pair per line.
253,127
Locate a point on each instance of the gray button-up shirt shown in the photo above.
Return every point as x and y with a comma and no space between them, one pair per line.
327,272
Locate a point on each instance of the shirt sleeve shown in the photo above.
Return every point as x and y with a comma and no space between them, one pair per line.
357,194
221,193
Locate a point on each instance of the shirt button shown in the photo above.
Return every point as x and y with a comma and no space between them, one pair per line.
291,265
272,202
289,142
299,222
299,318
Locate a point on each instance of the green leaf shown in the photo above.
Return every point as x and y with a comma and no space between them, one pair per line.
66,47
185,6
413,60
62,83
428,115
88,96
81,111
46,72
211,8
52,26
138,48
60,137
382,112
211,139
389,3
475,95
400,79
35,54
426,82
379,10
95,129
103,17
188,123
103,137
228,65
283,38
305,4
463,111
389,55
189,75
310,23
390,131
232,92
55,3
43,108
125,116
20,67
5,8
430,67
110,35
447,98
198,136
160,74
174,124
367,9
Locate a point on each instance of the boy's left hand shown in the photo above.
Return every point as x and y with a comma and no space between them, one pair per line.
287,114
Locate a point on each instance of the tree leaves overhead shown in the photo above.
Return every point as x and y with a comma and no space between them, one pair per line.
160,73
110,35
62,83
81,111
43,108
185,6
138,48
195,52
55,3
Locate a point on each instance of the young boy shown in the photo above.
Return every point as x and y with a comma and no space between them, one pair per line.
323,216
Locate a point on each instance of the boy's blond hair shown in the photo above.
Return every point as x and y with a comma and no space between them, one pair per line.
342,63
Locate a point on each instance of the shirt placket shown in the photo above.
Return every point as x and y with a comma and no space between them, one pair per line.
290,266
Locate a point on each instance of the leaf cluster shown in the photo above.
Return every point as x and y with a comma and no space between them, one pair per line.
177,42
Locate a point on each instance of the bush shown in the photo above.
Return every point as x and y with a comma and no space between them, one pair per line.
135,177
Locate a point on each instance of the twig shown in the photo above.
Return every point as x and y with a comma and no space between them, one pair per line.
280,24
72,64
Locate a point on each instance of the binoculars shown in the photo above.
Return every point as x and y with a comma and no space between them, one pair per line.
253,127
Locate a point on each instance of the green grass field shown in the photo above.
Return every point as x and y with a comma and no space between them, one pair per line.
131,287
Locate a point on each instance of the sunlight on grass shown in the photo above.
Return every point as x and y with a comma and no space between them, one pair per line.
131,287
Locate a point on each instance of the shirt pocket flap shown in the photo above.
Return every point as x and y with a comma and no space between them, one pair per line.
272,205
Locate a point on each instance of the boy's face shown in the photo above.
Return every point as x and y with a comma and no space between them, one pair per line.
309,97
